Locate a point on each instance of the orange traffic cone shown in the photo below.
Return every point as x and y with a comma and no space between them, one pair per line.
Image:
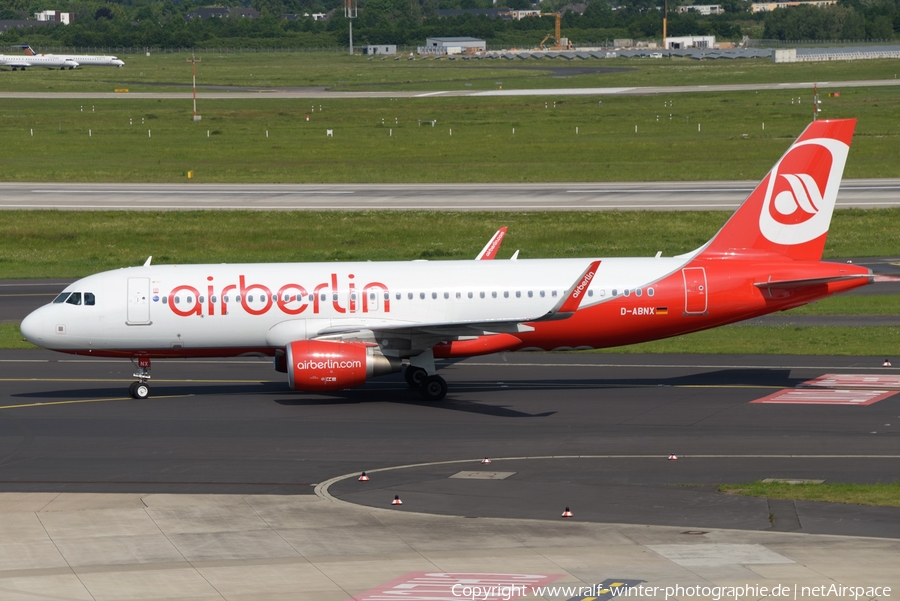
673,457
886,363
485,460
363,477
567,513
396,500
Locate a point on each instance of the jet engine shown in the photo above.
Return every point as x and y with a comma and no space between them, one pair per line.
319,365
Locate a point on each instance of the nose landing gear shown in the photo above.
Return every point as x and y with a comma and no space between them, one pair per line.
140,389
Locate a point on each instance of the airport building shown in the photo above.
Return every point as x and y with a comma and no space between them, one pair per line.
54,16
459,45
380,49
761,7
690,41
703,9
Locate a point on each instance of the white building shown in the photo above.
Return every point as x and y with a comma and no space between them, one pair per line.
439,46
761,7
703,9
690,41
56,16
380,49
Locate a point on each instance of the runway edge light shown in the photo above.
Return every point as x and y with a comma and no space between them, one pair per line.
396,500
363,477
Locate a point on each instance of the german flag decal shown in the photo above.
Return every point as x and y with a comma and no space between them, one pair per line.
662,310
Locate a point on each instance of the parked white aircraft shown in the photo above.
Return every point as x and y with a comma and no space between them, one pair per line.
82,59
46,61
331,326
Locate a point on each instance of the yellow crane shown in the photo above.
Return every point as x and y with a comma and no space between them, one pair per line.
561,43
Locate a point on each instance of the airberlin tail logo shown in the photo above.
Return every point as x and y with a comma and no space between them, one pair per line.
801,191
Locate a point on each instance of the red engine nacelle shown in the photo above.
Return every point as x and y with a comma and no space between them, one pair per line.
319,365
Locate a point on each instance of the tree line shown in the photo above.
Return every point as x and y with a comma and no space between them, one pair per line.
137,23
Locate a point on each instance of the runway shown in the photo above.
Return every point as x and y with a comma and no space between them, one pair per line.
324,93
585,430
651,196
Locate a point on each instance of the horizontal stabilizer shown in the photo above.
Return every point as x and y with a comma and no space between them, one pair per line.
810,281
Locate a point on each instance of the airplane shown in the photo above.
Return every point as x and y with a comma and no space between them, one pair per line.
48,61
332,326
82,59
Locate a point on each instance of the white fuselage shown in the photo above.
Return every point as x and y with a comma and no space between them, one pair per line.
47,61
231,307
92,60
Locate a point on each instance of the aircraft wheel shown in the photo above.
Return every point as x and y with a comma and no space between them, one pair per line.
131,389
433,388
414,376
141,390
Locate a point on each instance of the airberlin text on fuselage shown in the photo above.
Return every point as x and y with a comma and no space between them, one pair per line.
291,298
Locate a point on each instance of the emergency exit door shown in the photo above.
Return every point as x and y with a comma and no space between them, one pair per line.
695,297
138,301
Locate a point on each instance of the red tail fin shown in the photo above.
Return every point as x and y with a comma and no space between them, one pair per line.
789,212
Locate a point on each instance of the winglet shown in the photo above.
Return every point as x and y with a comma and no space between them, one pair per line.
147,262
570,303
491,249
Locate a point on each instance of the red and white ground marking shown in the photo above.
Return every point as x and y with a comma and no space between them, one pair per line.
813,396
453,586
855,381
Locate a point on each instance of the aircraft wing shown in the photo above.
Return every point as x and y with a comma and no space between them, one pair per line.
18,63
565,308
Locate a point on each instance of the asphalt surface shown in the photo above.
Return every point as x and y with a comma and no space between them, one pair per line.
653,196
315,92
18,298
68,425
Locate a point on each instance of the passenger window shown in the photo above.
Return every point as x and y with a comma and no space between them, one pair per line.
177,300
470,295
615,292
494,294
446,295
459,295
334,296
74,299
409,296
602,292
481,294
398,295
322,297
627,292
165,300
553,293
530,294
237,298
212,298
275,297
62,297
422,295
506,294
542,294
89,298
638,291
649,291
249,298
200,299
590,293
372,297
433,295
518,294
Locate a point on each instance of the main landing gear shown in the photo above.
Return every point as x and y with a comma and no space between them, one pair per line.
140,389
432,388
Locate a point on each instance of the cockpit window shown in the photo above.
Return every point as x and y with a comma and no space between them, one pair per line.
74,299
89,298
62,297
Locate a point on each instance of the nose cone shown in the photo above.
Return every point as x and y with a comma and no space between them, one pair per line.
33,328
118,63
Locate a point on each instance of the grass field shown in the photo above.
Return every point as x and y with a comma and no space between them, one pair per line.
382,140
339,71
885,495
